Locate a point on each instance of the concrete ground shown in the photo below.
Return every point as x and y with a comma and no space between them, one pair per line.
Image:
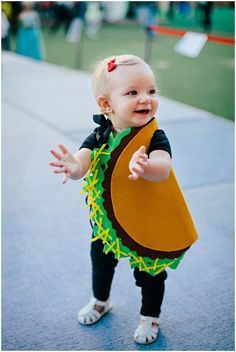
45,232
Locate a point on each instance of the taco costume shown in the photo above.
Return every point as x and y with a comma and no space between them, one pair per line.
149,222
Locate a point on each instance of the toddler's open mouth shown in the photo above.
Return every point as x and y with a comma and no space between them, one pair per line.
142,111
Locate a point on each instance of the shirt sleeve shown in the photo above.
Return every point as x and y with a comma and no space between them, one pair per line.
90,142
159,141
99,136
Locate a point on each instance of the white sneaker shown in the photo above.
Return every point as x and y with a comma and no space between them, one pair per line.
89,315
147,330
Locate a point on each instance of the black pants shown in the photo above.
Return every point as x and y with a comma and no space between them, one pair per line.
103,267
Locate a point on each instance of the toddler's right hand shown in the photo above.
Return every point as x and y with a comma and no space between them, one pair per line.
66,164
138,163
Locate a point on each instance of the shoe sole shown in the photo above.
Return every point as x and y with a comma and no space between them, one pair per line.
145,343
94,322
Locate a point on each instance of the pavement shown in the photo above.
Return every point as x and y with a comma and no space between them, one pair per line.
45,232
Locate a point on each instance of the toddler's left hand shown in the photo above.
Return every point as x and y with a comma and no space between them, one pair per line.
138,163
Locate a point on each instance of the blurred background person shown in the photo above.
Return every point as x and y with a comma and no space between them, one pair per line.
206,8
29,38
77,24
14,9
146,12
80,8
184,9
115,11
93,18
5,25
62,15
46,10
170,12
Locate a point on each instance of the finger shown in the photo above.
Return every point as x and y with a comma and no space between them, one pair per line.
143,156
57,155
133,177
137,170
142,163
59,171
63,149
65,179
142,149
55,163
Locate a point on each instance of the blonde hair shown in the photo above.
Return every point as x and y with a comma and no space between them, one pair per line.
100,78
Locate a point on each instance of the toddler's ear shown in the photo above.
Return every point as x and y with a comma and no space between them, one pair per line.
104,104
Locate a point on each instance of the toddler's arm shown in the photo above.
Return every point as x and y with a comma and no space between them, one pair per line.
155,168
73,166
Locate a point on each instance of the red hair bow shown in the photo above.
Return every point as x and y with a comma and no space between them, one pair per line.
111,65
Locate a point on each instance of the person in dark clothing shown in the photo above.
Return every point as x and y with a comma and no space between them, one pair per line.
206,8
62,16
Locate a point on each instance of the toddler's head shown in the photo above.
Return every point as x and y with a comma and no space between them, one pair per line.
102,77
125,89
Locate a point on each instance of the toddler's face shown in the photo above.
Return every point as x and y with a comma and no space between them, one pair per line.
133,96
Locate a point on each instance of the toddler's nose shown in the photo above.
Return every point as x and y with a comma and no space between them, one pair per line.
145,98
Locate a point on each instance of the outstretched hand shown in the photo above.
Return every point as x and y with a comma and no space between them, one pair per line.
66,164
138,163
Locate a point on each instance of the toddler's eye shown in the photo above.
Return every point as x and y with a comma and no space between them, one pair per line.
133,92
152,91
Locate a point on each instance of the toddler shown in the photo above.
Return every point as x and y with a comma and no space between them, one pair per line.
128,157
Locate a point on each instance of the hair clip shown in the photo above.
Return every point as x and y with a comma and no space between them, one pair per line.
111,65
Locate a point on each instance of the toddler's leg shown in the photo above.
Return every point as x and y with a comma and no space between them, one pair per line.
152,290
103,268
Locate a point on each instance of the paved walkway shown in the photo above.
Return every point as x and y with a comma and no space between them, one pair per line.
45,246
